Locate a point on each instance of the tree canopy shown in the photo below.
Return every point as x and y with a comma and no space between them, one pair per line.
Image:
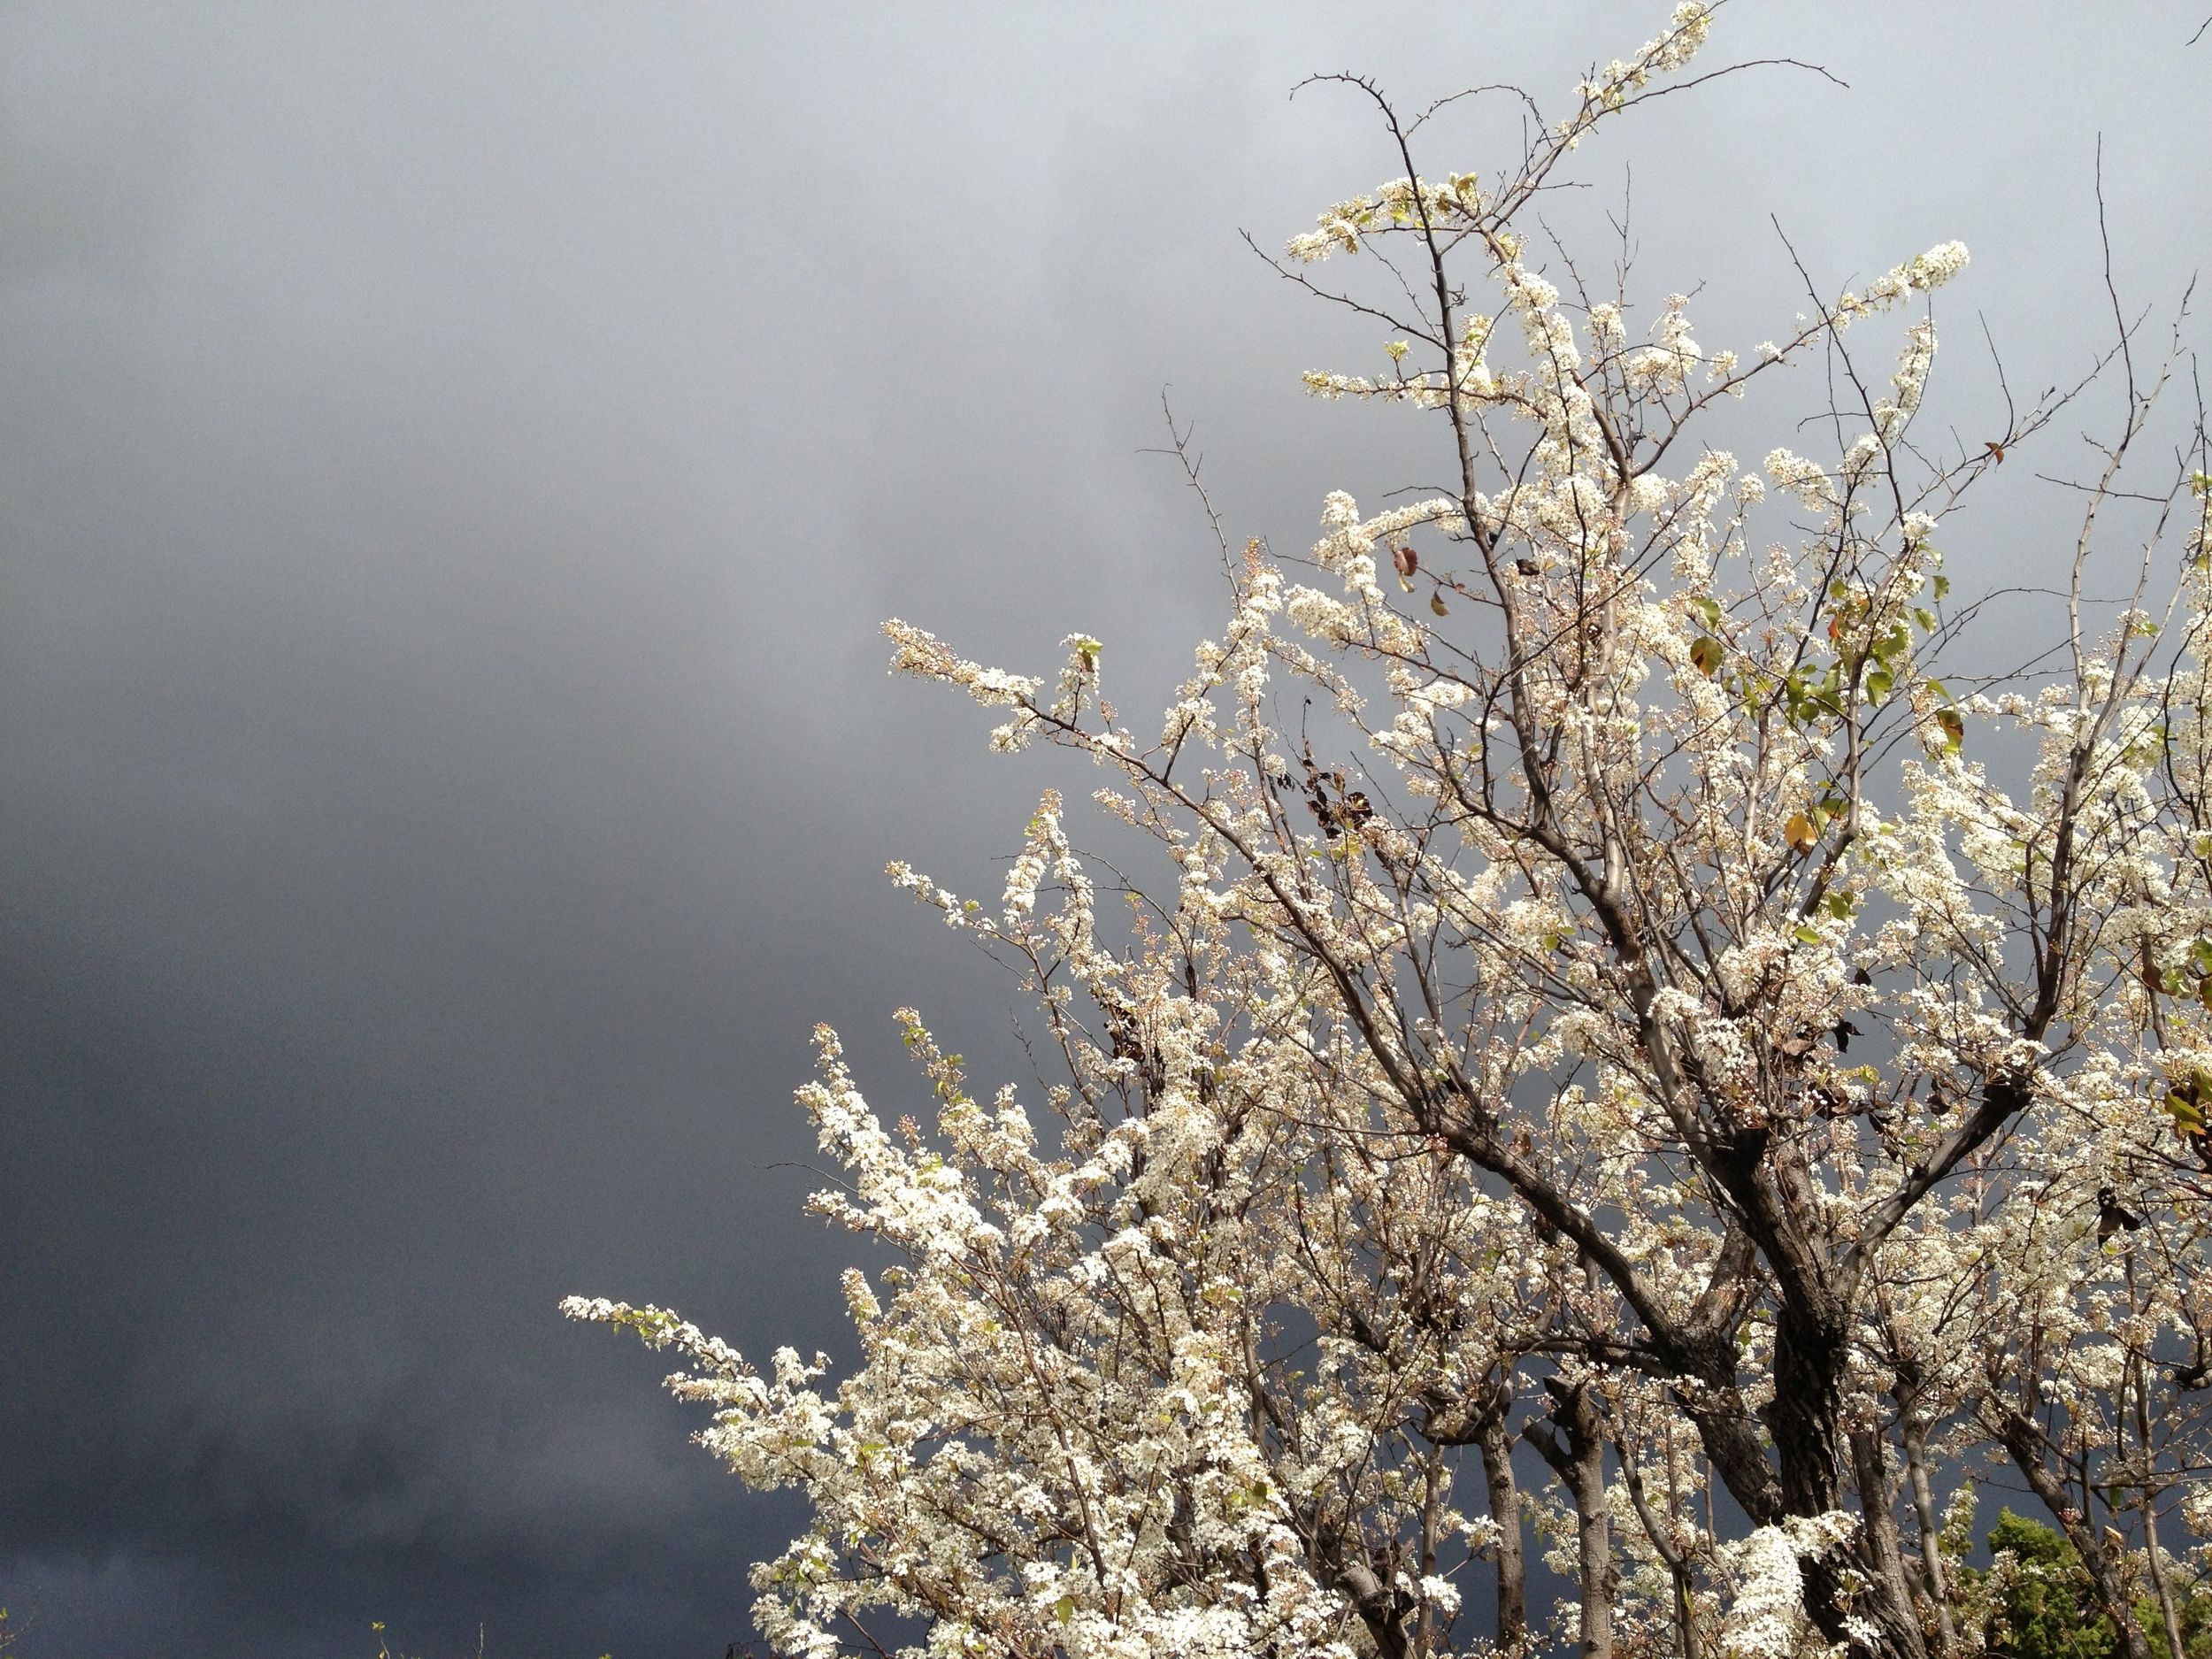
1629,1075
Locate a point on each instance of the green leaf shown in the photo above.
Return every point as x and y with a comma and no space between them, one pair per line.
1942,587
1838,905
1807,934
1705,655
1925,618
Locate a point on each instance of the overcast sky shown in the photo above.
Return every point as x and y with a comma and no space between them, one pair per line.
453,459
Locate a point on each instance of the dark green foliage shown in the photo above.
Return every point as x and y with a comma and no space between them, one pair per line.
2041,1604
2195,1608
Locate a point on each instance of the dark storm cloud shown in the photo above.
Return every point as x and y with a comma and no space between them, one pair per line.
452,462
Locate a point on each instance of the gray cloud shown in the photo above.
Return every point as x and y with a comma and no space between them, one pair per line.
452,462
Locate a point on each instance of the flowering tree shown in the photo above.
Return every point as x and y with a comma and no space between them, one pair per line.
1480,1074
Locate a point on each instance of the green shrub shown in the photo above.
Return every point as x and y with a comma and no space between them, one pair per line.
2040,1604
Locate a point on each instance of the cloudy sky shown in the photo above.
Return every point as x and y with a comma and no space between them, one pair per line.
453,459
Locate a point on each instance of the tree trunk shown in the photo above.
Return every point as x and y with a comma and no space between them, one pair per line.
1382,1612
1891,1605
2167,1612
1810,1344
1661,1534
1937,1581
1505,1512
2160,1584
1573,1444
2025,1444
